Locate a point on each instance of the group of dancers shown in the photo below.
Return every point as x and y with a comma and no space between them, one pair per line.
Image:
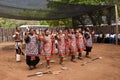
68,42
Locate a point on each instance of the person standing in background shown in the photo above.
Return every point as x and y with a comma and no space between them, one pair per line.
119,38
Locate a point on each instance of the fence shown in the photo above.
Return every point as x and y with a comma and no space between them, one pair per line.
6,34
105,29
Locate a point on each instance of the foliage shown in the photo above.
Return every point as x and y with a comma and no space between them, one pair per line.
61,22
7,23
96,18
11,23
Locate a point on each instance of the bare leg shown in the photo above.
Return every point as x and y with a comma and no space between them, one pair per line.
61,60
87,54
73,58
80,55
48,64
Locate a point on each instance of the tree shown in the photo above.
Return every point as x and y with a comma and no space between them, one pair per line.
12,23
61,22
97,18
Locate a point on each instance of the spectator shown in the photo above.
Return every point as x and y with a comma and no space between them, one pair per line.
107,38
119,38
112,38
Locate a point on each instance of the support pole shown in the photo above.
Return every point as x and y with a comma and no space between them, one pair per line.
117,20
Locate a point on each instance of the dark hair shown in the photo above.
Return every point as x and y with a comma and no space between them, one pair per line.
87,29
46,29
27,40
17,28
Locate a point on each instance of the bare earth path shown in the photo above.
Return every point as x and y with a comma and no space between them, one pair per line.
107,68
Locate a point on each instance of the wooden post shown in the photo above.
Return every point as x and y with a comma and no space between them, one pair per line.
117,20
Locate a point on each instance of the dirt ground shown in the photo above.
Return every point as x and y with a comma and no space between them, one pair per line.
107,68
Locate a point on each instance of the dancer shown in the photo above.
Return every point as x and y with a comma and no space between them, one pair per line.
80,43
40,45
61,46
53,43
88,38
18,44
73,46
67,42
47,47
32,56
